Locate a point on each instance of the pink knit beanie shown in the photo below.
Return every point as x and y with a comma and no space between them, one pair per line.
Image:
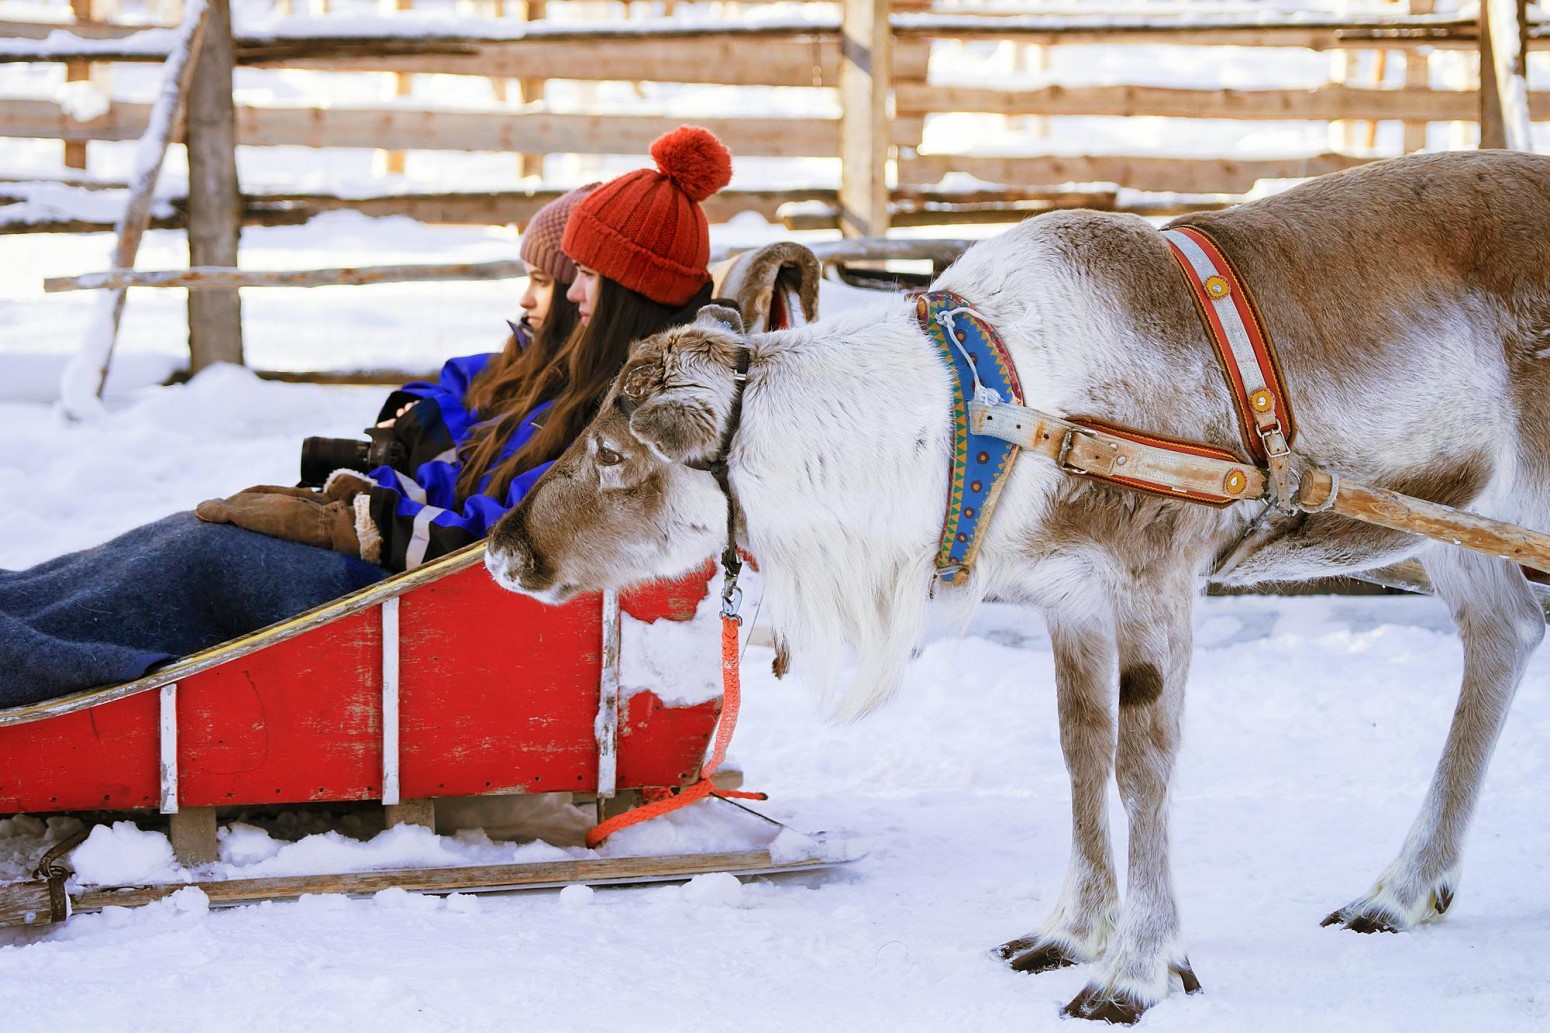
541,240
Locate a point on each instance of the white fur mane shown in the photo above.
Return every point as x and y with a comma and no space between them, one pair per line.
841,470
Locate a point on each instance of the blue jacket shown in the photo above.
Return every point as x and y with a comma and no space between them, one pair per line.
417,512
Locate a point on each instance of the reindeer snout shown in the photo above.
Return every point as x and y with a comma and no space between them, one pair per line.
510,558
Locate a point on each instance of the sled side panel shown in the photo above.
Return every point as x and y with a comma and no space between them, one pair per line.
103,758
669,600
499,693
661,745
297,721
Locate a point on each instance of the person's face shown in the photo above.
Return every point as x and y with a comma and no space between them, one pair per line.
584,292
538,297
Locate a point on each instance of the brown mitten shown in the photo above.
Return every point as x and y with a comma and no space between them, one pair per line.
344,485
276,489
310,521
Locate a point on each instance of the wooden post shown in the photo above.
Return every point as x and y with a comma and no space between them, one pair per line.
410,812
531,90
214,200
1504,119
1418,77
192,831
866,78
403,85
87,11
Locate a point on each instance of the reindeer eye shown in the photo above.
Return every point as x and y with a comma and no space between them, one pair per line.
608,457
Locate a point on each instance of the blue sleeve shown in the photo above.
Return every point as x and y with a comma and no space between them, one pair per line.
420,518
450,392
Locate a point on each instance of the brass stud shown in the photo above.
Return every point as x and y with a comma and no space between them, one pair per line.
1261,400
1217,287
1234,482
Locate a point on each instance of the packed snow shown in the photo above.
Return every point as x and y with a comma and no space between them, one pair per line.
1311,728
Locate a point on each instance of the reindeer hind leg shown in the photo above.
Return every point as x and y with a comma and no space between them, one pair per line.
1500,624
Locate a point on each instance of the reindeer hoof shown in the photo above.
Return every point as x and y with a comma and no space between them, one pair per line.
1030,955
1358,921
1101,1005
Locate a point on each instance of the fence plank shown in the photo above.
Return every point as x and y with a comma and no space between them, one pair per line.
1323,103
1173,175
400,128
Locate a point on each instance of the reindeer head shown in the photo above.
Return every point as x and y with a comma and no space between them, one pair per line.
620,505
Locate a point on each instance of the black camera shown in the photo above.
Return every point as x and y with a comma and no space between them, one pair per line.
322,456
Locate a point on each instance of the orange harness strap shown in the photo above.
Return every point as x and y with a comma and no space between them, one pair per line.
670,800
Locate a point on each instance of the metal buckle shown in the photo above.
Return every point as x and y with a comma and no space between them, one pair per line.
1065,450
1272,450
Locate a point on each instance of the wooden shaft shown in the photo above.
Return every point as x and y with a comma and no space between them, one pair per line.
1390,509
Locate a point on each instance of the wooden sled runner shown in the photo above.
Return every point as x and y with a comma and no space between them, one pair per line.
431,684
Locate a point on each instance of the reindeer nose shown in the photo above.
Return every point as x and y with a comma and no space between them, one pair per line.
510,558
506,561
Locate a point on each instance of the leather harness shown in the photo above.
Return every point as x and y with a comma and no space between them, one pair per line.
1138,460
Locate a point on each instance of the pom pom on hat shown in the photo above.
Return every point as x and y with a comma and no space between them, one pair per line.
646,229
694,159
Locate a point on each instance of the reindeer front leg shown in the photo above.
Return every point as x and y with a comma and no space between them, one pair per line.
1079,927
1145,958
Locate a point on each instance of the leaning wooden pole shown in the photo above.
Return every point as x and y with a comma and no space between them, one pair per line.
84,377
1319,491
214,200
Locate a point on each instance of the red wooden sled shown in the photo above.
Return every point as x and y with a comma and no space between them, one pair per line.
435,683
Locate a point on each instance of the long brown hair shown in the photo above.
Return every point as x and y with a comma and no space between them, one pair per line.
509,376
589,361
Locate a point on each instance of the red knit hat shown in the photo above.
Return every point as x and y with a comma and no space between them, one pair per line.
646,229
541,239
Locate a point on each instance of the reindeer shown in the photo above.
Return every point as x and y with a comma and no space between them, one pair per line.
1410,301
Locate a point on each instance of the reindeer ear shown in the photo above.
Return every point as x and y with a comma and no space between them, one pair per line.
720,317
677,427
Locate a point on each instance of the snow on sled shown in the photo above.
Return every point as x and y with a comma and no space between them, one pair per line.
431,684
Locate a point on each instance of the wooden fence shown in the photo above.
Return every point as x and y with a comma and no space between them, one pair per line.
876,63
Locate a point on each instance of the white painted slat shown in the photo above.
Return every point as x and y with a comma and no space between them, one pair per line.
390,701
606,727
169,748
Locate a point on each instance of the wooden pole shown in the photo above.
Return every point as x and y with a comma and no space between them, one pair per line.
1417,77
87,12
1318,491
530,91
1504,116
866,78
214,197
87,372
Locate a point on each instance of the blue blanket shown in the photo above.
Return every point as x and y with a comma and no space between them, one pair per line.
173,587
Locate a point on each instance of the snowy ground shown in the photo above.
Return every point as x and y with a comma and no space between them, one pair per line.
1312,726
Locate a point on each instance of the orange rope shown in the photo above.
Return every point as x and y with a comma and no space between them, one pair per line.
664,801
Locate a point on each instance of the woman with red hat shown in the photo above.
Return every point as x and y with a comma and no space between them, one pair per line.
641,248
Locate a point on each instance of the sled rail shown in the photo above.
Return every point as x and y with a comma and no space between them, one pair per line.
194,663
27,903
